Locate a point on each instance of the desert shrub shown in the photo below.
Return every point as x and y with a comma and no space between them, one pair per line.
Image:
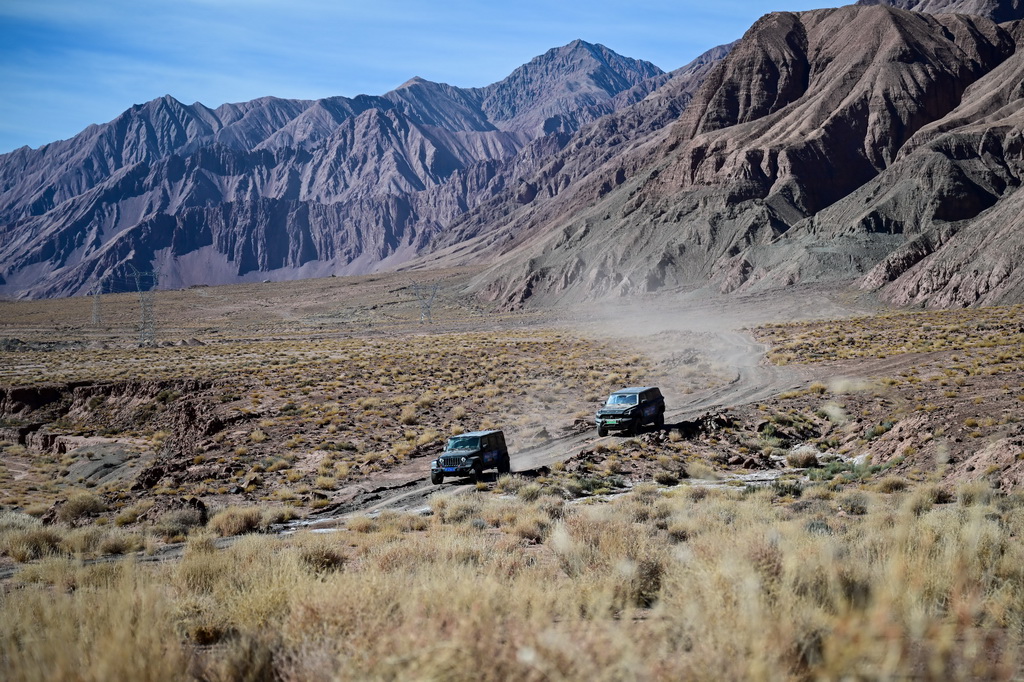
120,542
132,514
530,492
973,493
700,470
326,483
82,541
697,493
853,502
848,470
878,429
817,492
80,505
891,484
681,530
802,457
176,524
1010,501
408,415
920,500
666,478
532,527
12,520
321,556
235,521
276,515
509,484
362,524
455,509
167,395
641,582
31,543
786,488
201,543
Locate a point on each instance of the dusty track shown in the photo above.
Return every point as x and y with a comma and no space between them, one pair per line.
751,380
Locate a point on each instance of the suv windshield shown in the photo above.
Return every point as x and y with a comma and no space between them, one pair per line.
463,443
622,399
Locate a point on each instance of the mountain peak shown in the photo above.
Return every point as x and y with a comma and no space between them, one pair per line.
582,72
415,80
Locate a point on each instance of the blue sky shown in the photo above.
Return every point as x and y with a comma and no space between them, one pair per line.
67,63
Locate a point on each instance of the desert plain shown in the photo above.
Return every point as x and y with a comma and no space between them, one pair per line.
836,493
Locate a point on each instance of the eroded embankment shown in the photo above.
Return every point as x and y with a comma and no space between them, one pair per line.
49,417
139,433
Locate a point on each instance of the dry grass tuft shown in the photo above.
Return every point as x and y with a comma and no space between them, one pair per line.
235,521
80,506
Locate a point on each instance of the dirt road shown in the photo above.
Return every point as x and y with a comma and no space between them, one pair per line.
748,379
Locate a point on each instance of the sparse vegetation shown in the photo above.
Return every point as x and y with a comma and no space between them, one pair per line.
594,587
876,529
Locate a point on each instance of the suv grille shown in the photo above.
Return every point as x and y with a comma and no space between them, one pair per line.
451,460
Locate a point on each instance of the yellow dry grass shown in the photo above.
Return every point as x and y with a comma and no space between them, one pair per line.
654,585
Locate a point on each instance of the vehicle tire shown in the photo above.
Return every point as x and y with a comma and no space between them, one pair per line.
504,466
602,431
659,421
437,478
635,428
478,471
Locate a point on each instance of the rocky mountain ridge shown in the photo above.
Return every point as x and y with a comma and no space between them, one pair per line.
998,11
852,144
866,144
284,188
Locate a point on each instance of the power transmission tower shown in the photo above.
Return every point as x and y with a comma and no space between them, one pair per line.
426,301
97,317
147,318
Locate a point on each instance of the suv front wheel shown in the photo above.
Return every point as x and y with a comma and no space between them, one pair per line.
436,477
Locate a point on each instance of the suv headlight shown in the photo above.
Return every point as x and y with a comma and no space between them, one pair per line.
463,460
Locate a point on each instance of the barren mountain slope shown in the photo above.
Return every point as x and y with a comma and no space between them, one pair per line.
996,10
284,189
948,211
805,110
547,183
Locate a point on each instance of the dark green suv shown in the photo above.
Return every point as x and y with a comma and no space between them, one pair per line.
630,408
470,454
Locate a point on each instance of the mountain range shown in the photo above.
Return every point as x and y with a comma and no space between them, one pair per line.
875,144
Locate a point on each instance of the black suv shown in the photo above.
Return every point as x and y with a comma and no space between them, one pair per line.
469,454
630,408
